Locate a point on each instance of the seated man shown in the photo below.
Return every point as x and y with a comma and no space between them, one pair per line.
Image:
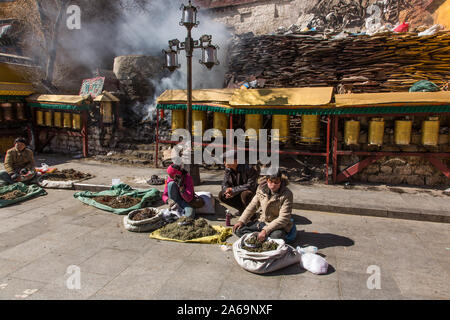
179,188
19,160
275,200
239,183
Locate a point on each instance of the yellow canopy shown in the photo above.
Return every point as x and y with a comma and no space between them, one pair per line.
287,97
200,95
64,99
107,96
15,89
392,98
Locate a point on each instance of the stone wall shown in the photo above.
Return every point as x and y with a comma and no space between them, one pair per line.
266,16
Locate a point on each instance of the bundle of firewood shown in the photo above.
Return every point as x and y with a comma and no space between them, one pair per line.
381,63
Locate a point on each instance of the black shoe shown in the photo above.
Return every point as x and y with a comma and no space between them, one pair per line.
155,180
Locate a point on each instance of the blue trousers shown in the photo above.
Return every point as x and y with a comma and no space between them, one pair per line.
174,193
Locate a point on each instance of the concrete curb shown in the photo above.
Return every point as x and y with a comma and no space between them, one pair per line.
375,212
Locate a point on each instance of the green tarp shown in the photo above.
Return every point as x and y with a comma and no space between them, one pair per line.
31,191
148,196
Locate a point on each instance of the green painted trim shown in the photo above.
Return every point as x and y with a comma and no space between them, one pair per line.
59,106
13,98
312,111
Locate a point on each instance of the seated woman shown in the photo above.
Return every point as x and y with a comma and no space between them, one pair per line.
179,189
19,161
275,200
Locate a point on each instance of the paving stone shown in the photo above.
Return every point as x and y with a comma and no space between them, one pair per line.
48,268
10,287
29,250
9,266
138,282
58,289
308,288
110,261
236,290
199,277
416,283
354,286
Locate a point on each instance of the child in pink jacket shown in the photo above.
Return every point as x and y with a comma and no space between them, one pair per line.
179,187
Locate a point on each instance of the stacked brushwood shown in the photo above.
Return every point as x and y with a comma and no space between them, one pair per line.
380,63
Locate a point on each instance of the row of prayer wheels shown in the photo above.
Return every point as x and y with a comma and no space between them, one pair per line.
402,132
310,129
49,118
12,111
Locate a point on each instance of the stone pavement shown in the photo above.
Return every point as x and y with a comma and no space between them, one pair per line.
41,238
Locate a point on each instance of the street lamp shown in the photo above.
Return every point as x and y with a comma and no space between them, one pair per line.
209,59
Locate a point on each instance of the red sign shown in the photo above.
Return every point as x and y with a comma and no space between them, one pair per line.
94,87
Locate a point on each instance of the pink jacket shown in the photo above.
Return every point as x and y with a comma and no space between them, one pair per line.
188,193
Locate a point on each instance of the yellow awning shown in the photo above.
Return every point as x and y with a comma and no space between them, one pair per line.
107,96
392,98
16,89
64,99
200,95
282,97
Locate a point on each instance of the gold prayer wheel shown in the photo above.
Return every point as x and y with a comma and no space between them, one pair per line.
253,121
198,122
178,119
376,131
351,132
76,121
310,129
39,117
48,118
7,111
402,132
106,110
20,110
57,119
67,120
281,122
430,131
220,122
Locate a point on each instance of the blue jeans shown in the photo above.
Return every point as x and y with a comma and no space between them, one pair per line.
6,177
174,193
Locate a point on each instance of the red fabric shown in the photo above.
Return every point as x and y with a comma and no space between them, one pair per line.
188,193
173,172
404,27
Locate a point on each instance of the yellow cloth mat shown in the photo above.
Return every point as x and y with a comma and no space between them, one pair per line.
220,238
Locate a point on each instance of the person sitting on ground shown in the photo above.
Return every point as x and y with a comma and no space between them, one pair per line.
19,161
275,200
239,183
179,189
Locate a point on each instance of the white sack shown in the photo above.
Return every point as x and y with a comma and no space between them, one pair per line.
264,262
210,204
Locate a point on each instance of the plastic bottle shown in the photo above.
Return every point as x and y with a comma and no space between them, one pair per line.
309,249
228,218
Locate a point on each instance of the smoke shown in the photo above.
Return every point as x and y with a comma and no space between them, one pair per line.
147,31
114,28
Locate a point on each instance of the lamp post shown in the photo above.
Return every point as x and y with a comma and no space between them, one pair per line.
209,59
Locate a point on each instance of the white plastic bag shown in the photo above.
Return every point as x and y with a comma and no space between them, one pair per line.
430,31
210,204
314,263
